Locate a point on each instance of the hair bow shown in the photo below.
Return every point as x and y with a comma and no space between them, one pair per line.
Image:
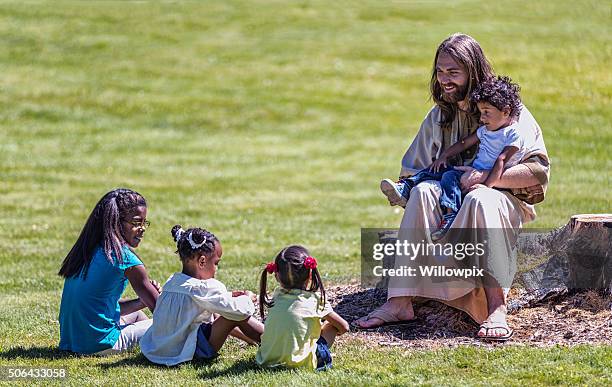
271,267
310,262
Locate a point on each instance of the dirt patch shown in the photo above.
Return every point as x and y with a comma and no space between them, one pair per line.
584,318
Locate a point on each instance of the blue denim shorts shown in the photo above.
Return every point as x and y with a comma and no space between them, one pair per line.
324,357
203,347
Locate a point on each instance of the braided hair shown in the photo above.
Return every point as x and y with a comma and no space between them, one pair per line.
102,227
292,274
192,241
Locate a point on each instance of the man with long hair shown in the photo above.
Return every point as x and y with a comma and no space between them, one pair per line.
459,67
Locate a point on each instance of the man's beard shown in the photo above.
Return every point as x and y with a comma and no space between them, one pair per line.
458,95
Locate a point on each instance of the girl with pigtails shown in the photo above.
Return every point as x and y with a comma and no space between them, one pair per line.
195,313
92,318
293,334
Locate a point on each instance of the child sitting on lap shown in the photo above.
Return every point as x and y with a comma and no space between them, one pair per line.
293,335
501,147
185,325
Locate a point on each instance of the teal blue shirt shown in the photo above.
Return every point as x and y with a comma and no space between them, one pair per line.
89,312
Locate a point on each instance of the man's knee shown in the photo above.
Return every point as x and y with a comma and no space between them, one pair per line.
484,200
424,197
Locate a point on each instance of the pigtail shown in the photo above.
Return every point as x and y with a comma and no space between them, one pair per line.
264,301
317,284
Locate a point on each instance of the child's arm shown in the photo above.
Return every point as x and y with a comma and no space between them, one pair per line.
337,322
454,149
498,168
130,306
216,299
146,291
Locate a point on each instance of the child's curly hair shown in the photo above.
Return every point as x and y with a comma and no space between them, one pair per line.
499,92
192,241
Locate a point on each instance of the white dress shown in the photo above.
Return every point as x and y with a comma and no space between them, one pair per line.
184,304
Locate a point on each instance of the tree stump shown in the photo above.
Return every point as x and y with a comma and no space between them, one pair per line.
588,241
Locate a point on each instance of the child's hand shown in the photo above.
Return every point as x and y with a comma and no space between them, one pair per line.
438,164
250,294
156,285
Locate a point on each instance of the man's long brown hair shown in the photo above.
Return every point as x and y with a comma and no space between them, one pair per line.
467,52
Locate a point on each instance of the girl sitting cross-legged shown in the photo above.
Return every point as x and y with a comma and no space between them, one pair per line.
195,313
293,334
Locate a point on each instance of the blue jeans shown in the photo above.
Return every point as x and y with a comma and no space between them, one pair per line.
449,180
324,357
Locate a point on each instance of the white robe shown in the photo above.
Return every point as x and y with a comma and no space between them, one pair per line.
484,208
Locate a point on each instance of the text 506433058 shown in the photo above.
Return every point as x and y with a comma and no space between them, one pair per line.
27,372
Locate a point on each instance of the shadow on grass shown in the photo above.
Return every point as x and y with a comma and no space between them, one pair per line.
237,368
136,360
49,353
204,367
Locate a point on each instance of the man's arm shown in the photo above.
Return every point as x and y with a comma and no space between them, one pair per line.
495,174
519,176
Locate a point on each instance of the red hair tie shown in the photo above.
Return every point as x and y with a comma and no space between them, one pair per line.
310,263
271,268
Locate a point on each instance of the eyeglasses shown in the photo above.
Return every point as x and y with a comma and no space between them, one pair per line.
138,223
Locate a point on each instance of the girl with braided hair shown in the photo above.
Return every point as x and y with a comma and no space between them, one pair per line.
96,270
293,334
195,312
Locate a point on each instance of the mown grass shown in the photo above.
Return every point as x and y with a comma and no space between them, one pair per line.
269,123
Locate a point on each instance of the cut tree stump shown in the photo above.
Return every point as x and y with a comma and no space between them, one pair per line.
588,241
577,257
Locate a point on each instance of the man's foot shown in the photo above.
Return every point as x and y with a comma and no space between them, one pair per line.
495,327
395,311
445,225
395,192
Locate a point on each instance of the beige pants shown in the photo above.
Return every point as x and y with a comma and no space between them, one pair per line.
484,208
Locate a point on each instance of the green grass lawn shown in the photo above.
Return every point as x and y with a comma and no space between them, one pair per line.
270,123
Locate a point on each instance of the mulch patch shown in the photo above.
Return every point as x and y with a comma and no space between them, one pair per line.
582,318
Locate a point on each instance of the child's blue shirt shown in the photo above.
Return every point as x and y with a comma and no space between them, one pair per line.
89,312
492,143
